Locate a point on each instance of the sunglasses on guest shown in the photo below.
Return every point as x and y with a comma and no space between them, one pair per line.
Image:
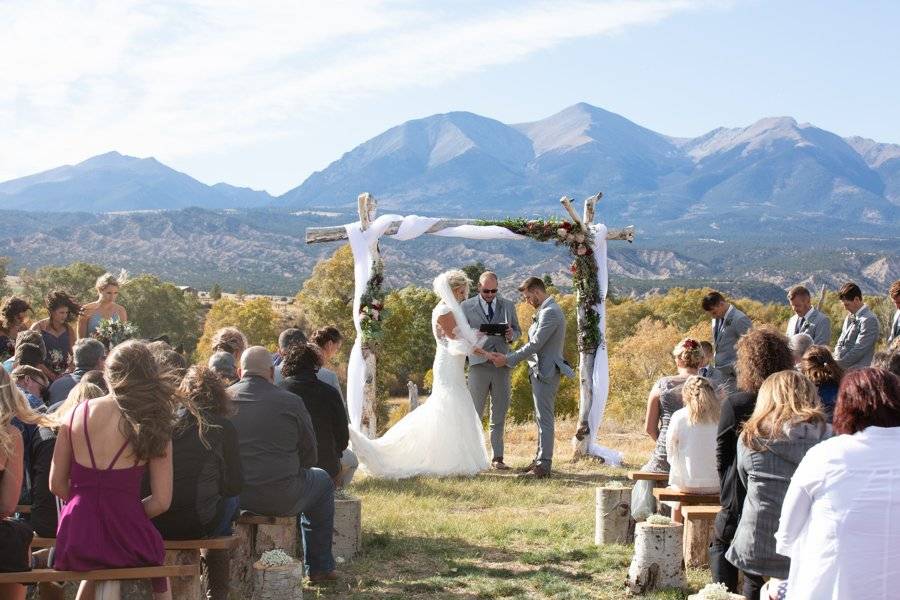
487,291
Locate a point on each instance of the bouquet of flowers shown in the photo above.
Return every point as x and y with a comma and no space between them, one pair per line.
112,332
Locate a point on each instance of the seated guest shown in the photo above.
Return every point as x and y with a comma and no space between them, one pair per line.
230,340
32,383
329,340
786,422
856,344
222,363
13,319
329,419
207,472
57,331
799,344
173,362
819,366
29,337
839,517
760,353
89,355
663,401
278,457
286,340
103,308
892,363
691,439
44,507
105,524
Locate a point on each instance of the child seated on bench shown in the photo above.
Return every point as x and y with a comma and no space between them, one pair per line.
691,439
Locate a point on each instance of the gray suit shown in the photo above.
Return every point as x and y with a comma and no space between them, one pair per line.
894,331
725,336
815,324
855,347
544,352
484,377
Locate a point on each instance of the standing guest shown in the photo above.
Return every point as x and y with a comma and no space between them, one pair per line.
856,345
819,366
230,340
787,421
13,319
691,438
799,344
894,331
104,524
485,378
28,337
287,340
207,478
807,319
222,363
57,331
278,457
760,353
728,325
839,516
89,356
322,401
665,398
103,308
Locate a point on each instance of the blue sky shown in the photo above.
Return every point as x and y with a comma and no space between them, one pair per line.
263,94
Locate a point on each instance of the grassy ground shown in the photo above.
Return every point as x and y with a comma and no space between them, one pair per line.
493,536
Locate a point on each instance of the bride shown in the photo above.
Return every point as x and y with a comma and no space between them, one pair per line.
444,436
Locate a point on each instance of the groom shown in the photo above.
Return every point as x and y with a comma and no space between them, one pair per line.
544,353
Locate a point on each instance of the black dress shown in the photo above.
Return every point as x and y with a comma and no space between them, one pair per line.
329,418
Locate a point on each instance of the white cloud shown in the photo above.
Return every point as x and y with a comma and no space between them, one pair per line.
187,78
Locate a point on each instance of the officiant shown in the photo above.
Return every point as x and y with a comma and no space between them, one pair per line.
489,312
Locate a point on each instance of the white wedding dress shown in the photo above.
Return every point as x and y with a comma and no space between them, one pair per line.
444,435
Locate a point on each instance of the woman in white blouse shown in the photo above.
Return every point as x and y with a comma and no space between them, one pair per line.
691,439
840,520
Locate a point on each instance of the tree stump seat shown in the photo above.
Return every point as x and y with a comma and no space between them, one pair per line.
257,534
699,528
347,534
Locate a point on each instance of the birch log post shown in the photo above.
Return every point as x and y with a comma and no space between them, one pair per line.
612,521
657,561
413,395
366,205
278,582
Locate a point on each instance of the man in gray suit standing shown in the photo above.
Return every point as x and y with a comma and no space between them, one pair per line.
807,319
489,308
728,325
544,353
855,347
894,331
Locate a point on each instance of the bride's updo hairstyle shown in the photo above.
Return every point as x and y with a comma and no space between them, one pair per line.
455,279
145,395
688,354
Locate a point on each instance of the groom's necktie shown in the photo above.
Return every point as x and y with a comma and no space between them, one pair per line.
490,311
799,327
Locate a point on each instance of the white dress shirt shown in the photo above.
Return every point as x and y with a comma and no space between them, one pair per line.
840,520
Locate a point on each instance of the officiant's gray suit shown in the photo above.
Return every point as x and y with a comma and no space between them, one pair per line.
814,323
544,353
484,377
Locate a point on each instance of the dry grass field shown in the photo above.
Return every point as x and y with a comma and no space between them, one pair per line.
493,536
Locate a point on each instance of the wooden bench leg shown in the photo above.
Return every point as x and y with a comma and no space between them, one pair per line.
697,535
184,588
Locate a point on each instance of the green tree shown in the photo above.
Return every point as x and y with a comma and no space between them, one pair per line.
216,292
548,281
326,298
77,279
408,348
5,290
473,272
160,308
255,318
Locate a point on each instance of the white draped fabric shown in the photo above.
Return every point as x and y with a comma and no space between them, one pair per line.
362,244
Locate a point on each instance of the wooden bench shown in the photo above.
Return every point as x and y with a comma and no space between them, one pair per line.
699,528
257,534
52,575
648,476
667,494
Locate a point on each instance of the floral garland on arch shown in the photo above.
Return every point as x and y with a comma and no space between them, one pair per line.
371,308
584,268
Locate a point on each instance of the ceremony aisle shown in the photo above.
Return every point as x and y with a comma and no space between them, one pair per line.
494,536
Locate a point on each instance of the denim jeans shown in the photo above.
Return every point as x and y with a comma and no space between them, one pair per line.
229,512
315,520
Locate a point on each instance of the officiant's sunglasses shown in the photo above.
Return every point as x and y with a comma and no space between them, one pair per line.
487,291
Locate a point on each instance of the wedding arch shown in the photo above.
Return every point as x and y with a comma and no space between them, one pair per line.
586,242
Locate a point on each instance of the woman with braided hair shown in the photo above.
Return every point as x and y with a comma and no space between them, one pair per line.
691,439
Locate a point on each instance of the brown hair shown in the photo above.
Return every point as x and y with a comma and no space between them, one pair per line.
867,397
785,398
711,299
326,334
797,290
761,352
688,353
849,291
700,400
230,340
57,299
202,392
145,395
533,283
819,365
12,308
894,290
300,358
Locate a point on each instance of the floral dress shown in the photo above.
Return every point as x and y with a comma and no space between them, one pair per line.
58,350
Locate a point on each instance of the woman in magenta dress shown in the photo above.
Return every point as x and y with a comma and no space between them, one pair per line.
103,448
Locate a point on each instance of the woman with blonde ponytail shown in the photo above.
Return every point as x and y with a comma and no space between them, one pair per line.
691,439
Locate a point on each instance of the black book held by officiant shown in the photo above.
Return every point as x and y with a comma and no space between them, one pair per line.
493,328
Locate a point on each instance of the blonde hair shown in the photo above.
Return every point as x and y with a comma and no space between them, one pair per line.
700,401
14,404
106,280
688,353
457,279
785,398
82,391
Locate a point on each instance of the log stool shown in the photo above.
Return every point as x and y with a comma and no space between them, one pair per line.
256,534
612,520
699,524
347,526
657,561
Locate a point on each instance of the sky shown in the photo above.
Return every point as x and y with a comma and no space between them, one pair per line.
261,94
